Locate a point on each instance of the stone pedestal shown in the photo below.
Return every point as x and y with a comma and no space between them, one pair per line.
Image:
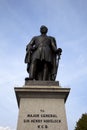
41,106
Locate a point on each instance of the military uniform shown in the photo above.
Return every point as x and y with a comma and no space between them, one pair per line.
42,48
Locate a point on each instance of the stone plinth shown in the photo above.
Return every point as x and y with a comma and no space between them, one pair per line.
42,106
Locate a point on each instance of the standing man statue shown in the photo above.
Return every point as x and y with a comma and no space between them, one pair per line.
41,56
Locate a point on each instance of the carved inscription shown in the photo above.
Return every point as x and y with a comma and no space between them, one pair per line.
42,119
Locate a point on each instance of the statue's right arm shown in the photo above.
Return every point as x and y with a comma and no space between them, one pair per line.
30,44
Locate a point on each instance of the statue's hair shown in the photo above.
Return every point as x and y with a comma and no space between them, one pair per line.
43,29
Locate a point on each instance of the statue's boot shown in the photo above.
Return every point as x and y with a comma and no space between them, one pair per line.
45,72
32,72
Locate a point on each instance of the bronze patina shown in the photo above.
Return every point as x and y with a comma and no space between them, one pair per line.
42,56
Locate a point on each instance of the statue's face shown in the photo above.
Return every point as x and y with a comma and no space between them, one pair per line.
43,29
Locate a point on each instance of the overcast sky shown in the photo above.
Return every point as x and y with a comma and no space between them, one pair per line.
20,20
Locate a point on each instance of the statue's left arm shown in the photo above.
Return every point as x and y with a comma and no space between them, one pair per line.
53,44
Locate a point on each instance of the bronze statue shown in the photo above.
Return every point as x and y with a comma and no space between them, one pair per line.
42,57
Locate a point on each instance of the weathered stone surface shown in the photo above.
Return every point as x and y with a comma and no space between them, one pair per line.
41,83
41,107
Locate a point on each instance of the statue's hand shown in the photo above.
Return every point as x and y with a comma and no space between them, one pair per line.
59,51
30,48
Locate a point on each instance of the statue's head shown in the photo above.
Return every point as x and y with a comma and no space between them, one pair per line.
43,29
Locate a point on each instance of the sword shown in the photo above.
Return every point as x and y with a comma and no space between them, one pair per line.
58,52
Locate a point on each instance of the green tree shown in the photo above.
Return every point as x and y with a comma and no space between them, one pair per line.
82,123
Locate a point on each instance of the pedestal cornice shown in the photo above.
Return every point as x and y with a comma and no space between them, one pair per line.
46,90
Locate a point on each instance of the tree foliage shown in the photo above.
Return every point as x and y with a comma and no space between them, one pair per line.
82,123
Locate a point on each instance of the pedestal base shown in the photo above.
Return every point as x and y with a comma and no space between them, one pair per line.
42,107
